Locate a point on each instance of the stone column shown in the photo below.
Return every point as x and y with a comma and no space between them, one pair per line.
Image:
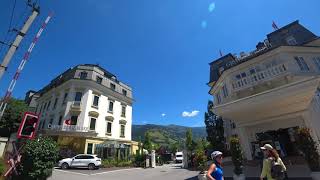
245,144
153,159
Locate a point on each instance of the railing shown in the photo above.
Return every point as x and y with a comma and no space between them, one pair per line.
76,105
258,77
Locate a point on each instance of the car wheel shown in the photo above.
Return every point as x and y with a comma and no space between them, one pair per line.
65,166
91,166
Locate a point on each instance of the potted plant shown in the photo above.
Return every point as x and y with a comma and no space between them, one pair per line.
309,149
237,158
201,164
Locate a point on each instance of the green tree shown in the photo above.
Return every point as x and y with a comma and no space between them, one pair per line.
215,129
38,159
189,140
12,116
147,144
174,147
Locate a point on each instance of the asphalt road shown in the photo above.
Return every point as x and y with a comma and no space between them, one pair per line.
165,172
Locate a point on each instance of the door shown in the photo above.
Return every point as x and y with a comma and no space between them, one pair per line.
77,161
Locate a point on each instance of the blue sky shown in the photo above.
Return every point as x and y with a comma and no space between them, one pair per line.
161,48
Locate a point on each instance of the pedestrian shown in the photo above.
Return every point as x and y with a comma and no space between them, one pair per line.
273,167
215,171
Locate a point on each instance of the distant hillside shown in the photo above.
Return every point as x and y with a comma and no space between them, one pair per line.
165,135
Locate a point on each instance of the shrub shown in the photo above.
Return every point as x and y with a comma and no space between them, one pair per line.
108,163
236,155
2,166
38,158
309,148
139,160
200,161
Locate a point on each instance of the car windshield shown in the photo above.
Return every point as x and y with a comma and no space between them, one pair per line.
179,155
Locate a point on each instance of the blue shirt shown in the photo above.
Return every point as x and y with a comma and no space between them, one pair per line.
218,173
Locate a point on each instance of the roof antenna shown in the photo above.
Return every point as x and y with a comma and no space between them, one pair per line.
274,25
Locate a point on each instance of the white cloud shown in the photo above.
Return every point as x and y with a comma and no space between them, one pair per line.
190,114
144,122
163,114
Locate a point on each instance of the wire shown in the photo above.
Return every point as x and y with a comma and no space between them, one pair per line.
9,28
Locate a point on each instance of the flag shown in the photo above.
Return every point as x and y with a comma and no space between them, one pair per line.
274,25
220,53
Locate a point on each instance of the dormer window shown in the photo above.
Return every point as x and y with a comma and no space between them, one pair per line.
291,41
83,75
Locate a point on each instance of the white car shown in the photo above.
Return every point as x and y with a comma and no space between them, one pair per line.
81,160
179,157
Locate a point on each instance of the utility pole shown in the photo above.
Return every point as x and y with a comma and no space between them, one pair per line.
24,60
19,37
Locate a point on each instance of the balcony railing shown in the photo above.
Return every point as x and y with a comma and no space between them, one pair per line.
76,106
259,77
68,130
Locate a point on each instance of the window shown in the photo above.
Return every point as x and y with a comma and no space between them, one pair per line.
123,111
225,91
218,98
60,120
252,71
291,41
44,123
89,148
243,75
109,127
95,101
302,63
74,120
122,130
55,103
317,62
238,76
124,92
78,97
99,80
112,86
83,75
48,105
65,98
92,124
45,106
110,106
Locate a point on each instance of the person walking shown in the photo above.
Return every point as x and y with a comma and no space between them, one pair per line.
215,171
273,167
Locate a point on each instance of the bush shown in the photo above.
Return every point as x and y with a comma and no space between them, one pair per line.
200,161
38,159
309,148
2,166
139,160
236,155
108,163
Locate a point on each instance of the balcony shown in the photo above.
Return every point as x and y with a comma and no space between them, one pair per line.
68,130
273,103
75,107
259,77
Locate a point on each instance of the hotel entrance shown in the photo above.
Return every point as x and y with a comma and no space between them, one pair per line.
283,140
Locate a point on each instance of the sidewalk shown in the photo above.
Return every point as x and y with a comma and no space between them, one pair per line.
294,172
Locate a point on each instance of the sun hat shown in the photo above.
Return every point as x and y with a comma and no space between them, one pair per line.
266,147
214,154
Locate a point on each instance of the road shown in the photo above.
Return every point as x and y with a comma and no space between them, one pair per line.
165,172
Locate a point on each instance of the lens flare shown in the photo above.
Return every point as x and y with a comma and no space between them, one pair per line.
212,6
204,24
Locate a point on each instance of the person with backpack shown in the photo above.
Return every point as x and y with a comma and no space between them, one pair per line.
273,167
215,171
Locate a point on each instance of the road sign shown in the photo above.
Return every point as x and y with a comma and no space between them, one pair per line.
28,126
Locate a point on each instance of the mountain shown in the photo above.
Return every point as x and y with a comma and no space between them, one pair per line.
165,135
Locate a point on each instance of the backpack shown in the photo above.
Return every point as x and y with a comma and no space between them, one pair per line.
276,170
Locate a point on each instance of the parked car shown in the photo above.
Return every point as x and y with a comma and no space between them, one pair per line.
179,157
81,160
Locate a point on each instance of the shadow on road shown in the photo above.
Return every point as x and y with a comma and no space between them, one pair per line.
193,178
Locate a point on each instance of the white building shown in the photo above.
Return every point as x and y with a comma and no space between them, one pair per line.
85,107
271,91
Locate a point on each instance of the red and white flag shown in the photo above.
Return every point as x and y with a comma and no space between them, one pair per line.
274,25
